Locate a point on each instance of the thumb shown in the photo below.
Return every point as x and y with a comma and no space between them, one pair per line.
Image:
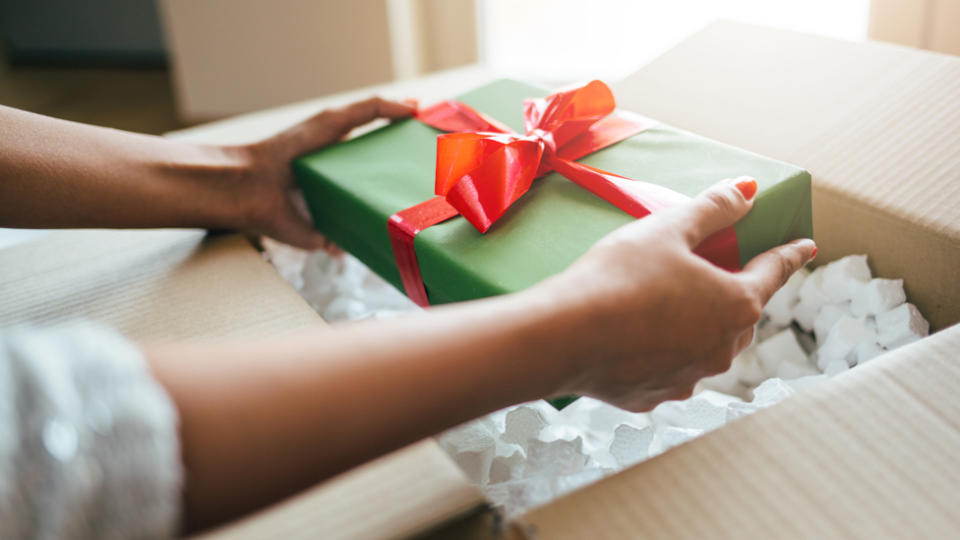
720,206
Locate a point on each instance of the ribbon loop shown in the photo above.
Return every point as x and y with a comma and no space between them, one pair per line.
482,175
485,169
568,114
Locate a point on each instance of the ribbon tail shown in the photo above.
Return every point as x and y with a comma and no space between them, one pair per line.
456,117
610,130
640,199
402,228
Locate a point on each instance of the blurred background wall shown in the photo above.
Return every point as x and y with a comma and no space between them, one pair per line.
93,31
153,65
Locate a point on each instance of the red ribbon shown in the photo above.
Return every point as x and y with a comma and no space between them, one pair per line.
482,168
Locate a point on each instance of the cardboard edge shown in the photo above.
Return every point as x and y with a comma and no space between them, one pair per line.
598,505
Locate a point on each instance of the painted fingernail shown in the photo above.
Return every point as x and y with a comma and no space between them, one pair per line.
814,254
747,186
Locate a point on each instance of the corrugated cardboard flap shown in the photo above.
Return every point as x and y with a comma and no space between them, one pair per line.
870,454
150,285
875,124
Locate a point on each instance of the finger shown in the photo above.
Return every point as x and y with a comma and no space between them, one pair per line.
293,229
718,207
745,339
331,125
362,112
333,249
767,272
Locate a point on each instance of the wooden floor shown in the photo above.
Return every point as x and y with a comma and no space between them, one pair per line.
125,98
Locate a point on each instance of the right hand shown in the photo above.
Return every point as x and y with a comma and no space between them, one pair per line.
264,195
650,317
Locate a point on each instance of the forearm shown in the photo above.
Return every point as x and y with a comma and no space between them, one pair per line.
262,420
55,173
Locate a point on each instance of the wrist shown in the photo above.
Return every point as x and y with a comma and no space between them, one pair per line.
232,181
207,185
555,338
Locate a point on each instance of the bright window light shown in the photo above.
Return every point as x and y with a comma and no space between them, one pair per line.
561,41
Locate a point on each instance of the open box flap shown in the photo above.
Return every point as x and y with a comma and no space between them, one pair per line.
870,455
154,284
875,124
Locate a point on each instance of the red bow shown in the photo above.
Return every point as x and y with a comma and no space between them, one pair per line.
482,168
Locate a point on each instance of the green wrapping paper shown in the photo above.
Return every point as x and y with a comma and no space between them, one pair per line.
353,188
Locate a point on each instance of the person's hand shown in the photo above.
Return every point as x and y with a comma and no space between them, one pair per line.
268,182
652,317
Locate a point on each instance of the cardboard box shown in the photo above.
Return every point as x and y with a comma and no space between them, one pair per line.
869,454
150,285
234,56
927,24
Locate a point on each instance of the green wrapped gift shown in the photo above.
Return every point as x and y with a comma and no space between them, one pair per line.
353,188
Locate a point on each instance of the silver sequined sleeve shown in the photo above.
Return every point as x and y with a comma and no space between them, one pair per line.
88,439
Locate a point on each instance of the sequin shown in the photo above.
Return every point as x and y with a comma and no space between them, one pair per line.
60,439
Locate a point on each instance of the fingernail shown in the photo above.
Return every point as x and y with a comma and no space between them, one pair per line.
802,241
747,186
413,102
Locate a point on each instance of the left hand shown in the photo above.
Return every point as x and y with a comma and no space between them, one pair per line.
269,183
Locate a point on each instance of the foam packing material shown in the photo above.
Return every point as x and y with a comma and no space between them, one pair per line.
819,325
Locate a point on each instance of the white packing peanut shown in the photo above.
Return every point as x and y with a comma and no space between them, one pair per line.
781,348
901,325
839,275
876,296
866,351
631,445
845,335
828,316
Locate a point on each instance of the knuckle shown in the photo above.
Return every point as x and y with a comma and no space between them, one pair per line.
692,234
785,264
722,201
369,107
753,309
747,307
332,119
